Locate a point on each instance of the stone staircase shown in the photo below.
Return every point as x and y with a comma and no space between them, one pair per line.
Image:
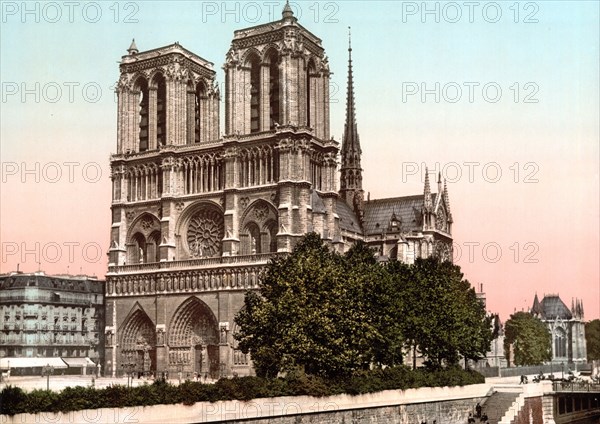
503,406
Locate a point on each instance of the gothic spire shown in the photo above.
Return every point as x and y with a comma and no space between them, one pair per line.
427,202
536,309
446,197
351,171
351,140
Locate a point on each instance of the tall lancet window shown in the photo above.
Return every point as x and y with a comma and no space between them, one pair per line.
199,111
560,343
142,90
274,109
254,94
310,94
161,110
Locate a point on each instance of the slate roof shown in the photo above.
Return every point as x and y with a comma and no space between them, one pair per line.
348,219
407,210
82,284
317,203
552,306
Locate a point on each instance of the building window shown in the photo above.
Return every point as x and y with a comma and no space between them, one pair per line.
560,343
143,114
274,90
254,95
161,110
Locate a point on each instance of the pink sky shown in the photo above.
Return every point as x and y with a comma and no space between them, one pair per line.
541,216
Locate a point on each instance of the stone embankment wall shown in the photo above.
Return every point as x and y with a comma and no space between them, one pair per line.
446,405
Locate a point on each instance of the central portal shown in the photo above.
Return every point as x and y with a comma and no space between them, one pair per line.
193,341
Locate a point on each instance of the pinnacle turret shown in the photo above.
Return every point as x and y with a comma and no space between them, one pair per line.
446,198
427,202
287,12
133,48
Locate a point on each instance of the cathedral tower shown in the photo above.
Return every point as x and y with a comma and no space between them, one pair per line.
196,217
277,132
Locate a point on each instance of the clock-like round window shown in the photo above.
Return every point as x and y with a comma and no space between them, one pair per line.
205,233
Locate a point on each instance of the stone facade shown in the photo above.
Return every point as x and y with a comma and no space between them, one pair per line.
196,216
44,316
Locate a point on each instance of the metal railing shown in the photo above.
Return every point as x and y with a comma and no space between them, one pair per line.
575,386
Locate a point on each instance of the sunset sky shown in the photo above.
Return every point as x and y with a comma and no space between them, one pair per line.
502,98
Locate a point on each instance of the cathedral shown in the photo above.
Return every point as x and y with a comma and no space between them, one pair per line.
197,215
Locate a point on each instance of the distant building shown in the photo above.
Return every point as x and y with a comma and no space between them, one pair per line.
44,318
495,357
565,325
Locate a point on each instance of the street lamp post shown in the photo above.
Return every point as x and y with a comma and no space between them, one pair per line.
47,370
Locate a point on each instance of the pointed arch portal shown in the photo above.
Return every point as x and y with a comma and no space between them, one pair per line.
194,338
138,344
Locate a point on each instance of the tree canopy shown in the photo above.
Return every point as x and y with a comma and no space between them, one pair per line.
531,340
333,315
592,339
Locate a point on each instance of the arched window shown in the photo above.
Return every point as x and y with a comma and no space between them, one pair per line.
161,110
254,94
152,251
560,343
274,110
139,250
310,94
199,112
144,102
254,240
272,231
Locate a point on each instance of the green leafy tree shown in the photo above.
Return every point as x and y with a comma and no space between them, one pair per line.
592,339
310,314
443,317
530,338
372,288
333,315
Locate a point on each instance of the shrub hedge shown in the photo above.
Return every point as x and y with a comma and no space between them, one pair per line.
14,400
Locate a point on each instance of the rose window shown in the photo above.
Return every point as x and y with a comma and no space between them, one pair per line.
204,235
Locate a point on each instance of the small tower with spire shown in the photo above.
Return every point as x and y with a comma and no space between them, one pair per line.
132,48
288,13
351,172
